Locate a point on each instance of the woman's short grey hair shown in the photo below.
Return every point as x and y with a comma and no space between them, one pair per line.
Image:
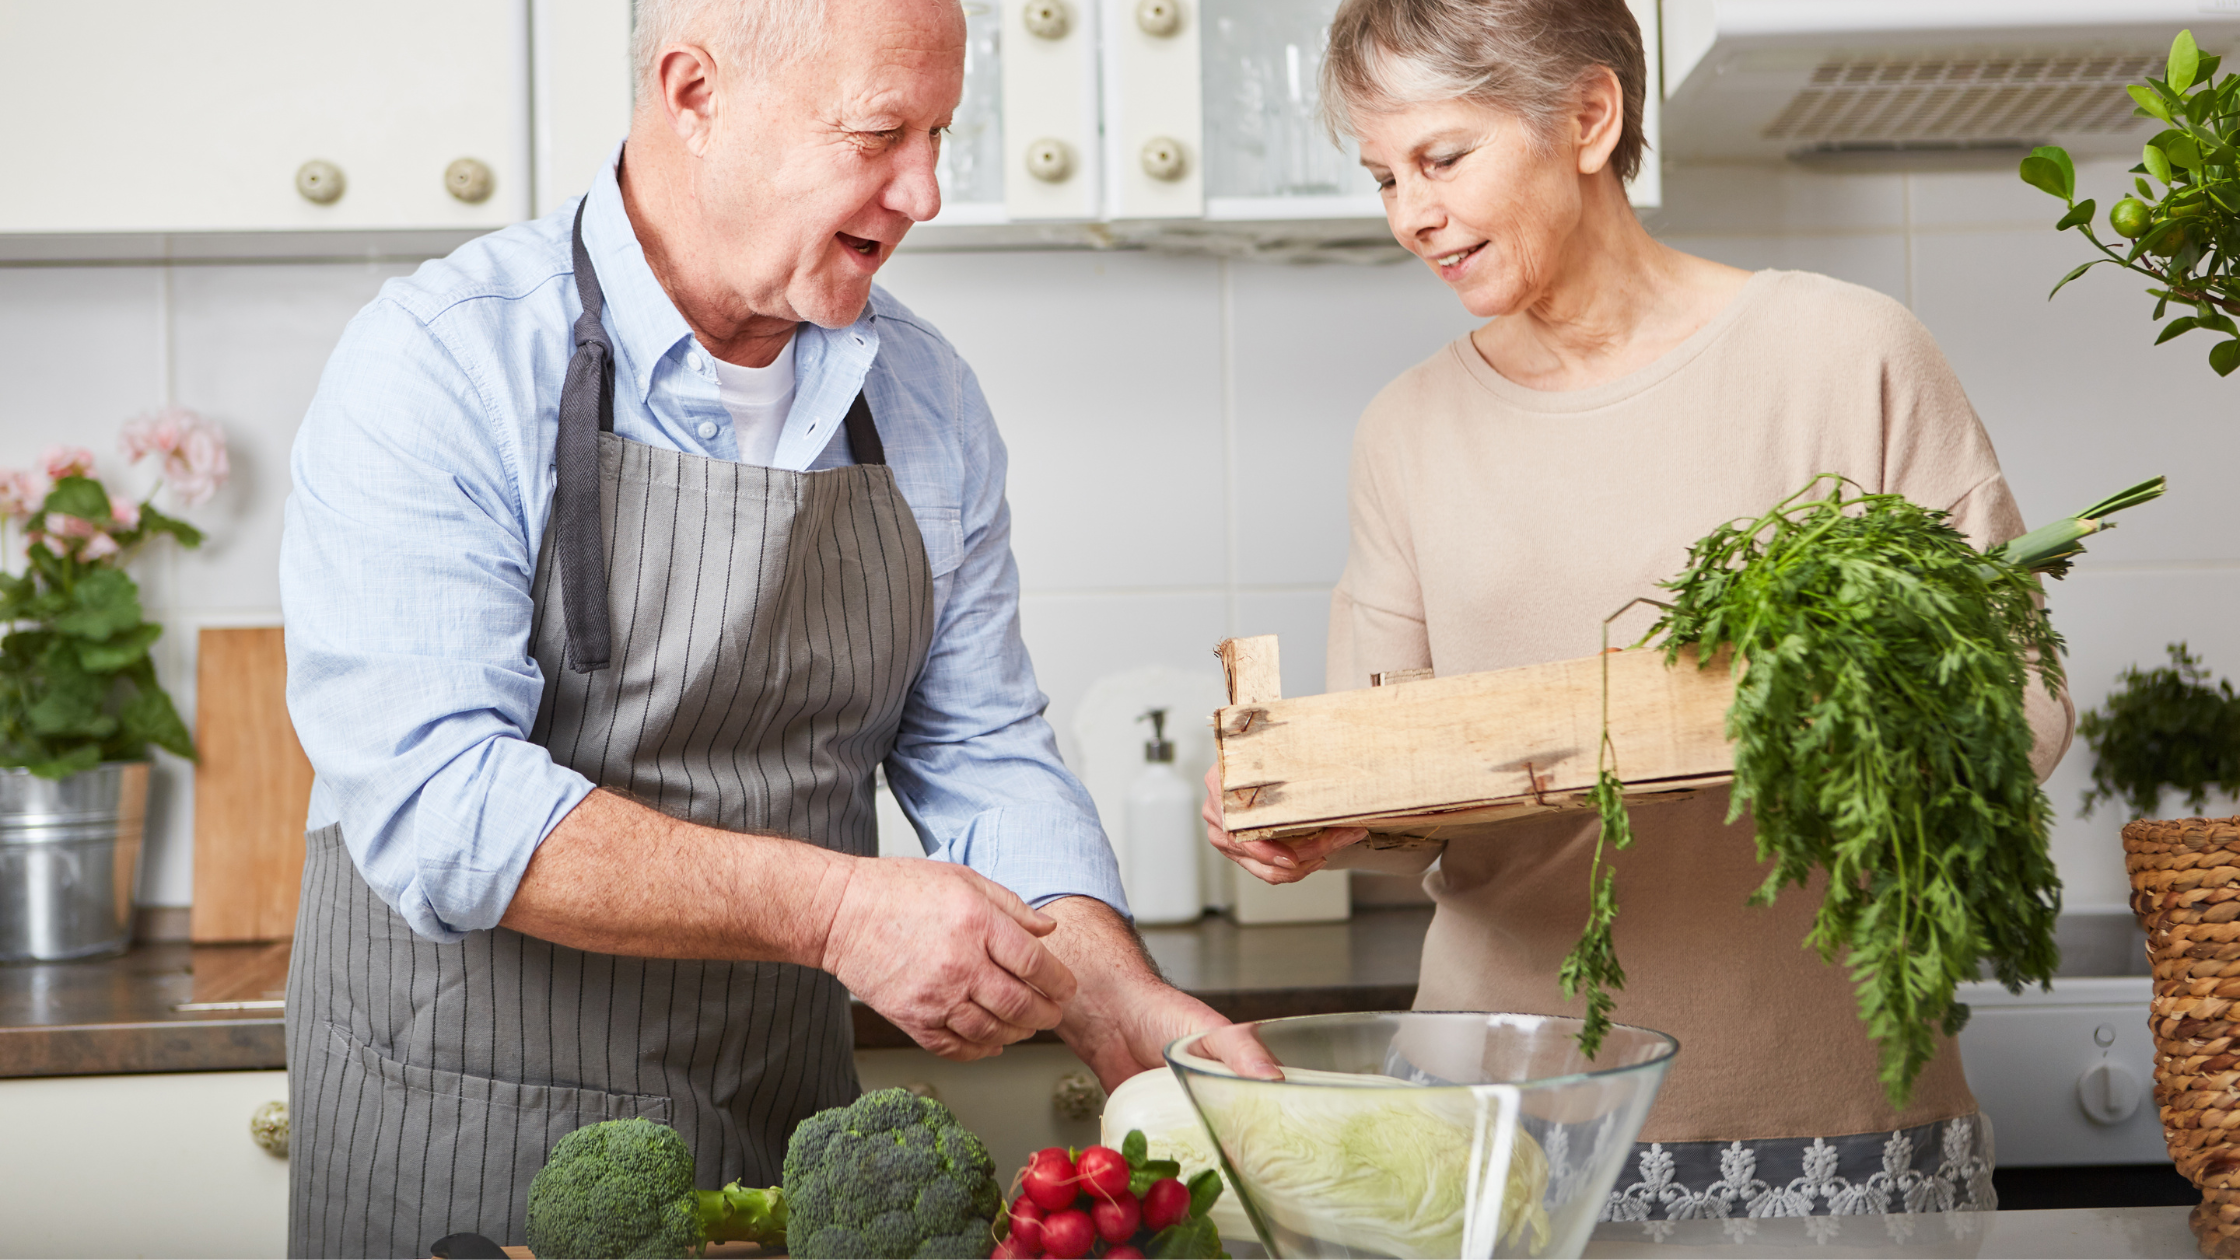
1522,56
757,34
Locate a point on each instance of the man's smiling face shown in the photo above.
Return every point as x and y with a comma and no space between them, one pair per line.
812,172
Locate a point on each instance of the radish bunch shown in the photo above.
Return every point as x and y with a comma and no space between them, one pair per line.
1120,1205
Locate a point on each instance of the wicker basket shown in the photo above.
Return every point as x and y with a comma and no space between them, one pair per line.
2185,888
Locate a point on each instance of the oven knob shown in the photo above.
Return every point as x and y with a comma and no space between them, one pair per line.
2108,1093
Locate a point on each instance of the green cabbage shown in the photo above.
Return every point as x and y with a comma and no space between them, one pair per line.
1385,1174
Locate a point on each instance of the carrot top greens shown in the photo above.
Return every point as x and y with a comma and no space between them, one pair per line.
1880,740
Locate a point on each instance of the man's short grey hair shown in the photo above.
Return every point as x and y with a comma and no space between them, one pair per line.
1525,57
756,34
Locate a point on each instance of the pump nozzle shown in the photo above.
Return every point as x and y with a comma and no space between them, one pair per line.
1158,747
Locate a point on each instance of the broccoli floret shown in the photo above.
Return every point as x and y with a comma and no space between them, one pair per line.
624,1188
890,1176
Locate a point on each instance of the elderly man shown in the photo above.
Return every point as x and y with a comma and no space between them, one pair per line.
624,545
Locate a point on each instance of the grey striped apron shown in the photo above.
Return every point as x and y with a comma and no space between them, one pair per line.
766,629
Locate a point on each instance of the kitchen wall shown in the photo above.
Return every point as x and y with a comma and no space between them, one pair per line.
1178,426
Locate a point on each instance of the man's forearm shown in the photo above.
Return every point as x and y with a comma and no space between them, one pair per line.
616,877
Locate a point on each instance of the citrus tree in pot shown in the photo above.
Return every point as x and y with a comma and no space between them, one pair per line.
80,704
2178,227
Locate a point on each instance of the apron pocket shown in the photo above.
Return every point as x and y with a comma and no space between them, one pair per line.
409,1154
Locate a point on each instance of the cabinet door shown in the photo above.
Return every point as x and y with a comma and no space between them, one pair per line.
154,1165
198,115
583,92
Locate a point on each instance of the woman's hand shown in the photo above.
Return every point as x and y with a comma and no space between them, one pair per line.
1270,861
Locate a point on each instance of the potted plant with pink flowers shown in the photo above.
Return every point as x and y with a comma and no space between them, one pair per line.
80,704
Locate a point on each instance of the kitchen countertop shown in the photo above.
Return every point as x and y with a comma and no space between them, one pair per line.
123,1014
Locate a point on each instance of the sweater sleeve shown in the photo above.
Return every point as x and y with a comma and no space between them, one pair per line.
1935,452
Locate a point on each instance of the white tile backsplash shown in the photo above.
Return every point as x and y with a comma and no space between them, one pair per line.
1179,426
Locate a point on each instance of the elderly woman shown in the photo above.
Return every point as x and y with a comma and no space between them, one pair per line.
1522,482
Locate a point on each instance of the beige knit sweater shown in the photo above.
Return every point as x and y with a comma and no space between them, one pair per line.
1495,525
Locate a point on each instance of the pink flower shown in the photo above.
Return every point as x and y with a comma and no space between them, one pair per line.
67,461
99,547
124,512
20,493
156,433
71,528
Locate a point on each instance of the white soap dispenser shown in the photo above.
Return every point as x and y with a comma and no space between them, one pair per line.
1159,860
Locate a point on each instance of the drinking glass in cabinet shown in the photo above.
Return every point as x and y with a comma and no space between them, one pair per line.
1264,135
971,169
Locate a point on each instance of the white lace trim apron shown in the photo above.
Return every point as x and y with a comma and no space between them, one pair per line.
1943,1166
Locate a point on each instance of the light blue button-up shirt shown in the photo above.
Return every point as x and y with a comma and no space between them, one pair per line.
424,475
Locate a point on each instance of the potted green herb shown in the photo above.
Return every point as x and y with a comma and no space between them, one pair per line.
2164,729
80,704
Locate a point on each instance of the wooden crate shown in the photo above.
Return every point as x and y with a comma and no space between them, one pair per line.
1418,759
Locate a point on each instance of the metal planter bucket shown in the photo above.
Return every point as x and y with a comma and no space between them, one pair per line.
69,852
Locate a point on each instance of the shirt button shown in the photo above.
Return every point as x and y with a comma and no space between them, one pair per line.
707,428
697,363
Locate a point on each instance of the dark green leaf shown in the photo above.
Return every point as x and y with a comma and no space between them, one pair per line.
2225,356
119,650
2162,729
2182,324
1135,1148
2182,151
2080,270
2048,168
2081,212
2185,59
104,602
1205,1190
1193,1239
83,757
154,522
81,497
2207,70
149,718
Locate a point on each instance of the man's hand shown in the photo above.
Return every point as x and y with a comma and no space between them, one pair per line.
1267,860
948,956
1124,1016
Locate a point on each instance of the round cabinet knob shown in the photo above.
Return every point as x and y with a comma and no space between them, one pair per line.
2108,1093
1046,19
268,1127
1162,157
468,180
1159,17
1049,160
1078,1097
319,182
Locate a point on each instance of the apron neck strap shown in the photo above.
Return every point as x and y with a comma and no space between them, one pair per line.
586,411
863,433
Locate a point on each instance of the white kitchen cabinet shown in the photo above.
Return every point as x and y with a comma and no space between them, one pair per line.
580,77
160,1164
205,115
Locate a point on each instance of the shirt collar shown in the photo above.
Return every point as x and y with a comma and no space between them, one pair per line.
645,323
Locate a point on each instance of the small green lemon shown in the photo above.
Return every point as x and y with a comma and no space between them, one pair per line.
2130,218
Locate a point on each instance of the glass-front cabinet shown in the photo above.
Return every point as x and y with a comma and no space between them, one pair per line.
1143,114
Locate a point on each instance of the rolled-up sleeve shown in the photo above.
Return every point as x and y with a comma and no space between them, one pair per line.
976,766
405,577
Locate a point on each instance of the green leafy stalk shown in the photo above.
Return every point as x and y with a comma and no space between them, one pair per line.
1881,742
2048,549
2164,728
1592,965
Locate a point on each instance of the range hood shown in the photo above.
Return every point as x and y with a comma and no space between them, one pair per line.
1917,82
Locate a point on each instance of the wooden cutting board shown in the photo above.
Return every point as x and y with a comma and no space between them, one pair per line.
251,790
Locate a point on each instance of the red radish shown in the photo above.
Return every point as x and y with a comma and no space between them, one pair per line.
1049,1179
1011,1249
1166,1202
1024,1208
1104,1173
1116,1221
1068,1235
1122,1253
1027,1233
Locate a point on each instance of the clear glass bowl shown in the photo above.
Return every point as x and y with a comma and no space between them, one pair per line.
1425,1133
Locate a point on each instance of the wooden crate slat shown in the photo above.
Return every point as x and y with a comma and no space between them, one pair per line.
1443,757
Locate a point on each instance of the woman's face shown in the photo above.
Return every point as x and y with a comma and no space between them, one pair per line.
1470,190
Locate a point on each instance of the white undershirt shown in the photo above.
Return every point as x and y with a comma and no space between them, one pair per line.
758,399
